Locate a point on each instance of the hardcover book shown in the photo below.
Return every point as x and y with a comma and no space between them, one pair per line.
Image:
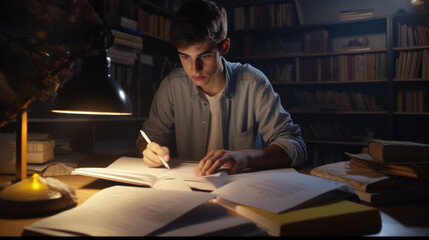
398,151
339,217
360,178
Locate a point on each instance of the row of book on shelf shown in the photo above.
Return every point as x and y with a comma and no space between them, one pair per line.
317,41
412,98
349,15
412,35
385,171
264,16
332,100
131,15
412,64
356,67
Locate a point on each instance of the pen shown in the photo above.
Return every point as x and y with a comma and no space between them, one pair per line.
148,141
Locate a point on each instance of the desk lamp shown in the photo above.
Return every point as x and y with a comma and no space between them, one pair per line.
91,91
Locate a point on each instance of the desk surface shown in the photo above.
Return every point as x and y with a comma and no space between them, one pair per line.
405,219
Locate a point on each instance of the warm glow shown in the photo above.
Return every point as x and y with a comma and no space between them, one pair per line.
90,112
35,183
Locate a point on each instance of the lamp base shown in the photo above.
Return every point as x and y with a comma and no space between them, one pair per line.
33,197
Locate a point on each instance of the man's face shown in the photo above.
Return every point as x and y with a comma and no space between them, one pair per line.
202,63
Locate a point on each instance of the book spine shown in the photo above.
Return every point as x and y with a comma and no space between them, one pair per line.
127,36
39,157
128,43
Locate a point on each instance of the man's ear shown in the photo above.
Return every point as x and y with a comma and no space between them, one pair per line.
226,43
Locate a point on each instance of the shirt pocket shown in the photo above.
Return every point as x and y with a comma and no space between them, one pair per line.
242,139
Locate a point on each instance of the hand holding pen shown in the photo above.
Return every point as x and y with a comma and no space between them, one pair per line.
159,157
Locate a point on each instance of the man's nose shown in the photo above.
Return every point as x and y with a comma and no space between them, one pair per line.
197,65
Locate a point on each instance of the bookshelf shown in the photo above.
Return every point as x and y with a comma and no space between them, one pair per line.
340,90
140,57
141,54
411,77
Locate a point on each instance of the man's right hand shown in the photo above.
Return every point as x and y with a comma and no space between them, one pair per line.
149,154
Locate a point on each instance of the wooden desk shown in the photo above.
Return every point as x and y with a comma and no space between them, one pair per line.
407,219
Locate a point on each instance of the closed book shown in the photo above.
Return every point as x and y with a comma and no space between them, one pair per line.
33,158
398,151
398,193
360,178
37,146
411,170
335,218
127,36
128,43
40,157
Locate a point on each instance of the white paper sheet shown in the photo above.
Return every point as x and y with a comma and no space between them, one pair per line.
124,211
277,191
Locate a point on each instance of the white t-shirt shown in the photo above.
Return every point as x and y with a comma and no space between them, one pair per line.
215,136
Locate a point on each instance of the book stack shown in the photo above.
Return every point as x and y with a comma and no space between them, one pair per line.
356,14
40,149
384,172
125,31
398,158
124,54
128,37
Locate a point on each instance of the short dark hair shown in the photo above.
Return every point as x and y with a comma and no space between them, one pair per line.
198,20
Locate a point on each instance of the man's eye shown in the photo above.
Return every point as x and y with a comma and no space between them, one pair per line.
206,56
184,57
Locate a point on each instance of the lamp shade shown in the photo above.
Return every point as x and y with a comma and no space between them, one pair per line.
92,91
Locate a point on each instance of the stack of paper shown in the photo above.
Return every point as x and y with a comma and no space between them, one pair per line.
40,149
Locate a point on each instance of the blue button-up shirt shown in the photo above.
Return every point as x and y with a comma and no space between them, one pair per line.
252,115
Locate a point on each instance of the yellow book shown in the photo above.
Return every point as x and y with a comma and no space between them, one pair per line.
335,218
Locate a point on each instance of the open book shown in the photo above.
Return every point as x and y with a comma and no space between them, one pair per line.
336,217
291,203
134,171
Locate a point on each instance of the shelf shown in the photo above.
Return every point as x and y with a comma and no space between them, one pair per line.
332,82
338,112
310,70
410,48
301,54
412,113
336,142
83,119
410,80
296,27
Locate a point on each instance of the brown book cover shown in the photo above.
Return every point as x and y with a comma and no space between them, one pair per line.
411,170
398,151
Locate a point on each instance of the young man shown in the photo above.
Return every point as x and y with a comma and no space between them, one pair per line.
222,114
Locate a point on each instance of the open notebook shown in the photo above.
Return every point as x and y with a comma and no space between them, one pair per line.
134,171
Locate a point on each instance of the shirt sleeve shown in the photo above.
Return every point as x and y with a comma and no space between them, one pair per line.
275,123
160,123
